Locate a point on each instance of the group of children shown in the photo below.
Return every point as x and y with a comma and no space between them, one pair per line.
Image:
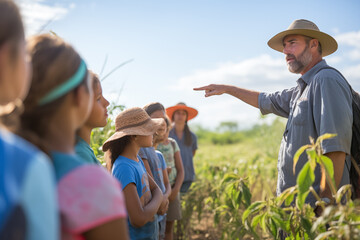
51,184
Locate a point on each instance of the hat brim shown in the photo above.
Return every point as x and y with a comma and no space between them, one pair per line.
146,129
192,112
328,43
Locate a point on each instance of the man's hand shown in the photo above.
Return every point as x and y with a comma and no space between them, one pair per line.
212,89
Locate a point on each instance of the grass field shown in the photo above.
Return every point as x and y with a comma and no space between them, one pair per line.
252,160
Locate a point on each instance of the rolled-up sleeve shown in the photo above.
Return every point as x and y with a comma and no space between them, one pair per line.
277,103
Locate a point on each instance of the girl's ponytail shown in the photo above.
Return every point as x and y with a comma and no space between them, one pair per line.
114,149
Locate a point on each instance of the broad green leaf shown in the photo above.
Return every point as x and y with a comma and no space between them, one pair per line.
251,209
305,178
285,195
279,221
289,199
312,158
273,227
306,224
229,177
246,194
255,221
263,222
297,155
329,167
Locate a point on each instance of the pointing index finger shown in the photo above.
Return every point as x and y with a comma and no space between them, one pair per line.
201,88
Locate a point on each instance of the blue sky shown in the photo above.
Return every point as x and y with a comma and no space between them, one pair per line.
178,45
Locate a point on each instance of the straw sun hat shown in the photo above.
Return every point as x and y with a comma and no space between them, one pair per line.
192,112
133,121
306,28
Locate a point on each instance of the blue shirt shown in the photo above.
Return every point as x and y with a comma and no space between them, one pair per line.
319,104
155,165
84,151
186,153
27,191
129,171
163,167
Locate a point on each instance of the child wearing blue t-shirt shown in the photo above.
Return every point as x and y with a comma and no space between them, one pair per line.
155,164
27,182
134,130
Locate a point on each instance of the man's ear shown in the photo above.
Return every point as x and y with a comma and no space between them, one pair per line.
314,43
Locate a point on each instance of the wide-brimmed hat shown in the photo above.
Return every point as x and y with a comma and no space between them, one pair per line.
192,112
306,28
133,121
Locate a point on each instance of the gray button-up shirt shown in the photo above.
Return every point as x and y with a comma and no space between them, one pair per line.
319,104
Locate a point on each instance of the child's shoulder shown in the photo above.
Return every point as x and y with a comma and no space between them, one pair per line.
13,147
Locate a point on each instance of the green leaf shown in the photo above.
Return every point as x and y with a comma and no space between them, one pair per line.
306,224
297,155
329,168
246,194
328,163
229,177
324,136
263,222
289,199
312,158
255,221
305,178
253,208
273,227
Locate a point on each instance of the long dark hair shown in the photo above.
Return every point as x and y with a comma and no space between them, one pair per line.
187,132
114,149
53,62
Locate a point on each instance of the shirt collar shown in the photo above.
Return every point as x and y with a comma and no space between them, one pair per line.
309,75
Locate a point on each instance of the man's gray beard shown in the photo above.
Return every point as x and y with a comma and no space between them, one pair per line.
303,60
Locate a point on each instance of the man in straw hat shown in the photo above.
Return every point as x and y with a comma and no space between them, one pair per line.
319,104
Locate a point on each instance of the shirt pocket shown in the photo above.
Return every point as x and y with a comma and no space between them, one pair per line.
300,114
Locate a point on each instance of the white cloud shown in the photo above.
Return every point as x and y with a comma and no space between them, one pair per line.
263,71
37,14
350,39
353,72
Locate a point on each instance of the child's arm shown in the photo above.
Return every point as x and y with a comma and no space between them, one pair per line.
139,215
111,230
166,183
147,167
179,176
164,201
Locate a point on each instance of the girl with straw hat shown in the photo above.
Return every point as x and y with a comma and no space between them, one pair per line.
180,114
134,130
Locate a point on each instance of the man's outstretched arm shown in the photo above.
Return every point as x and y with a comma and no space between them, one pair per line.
248,96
